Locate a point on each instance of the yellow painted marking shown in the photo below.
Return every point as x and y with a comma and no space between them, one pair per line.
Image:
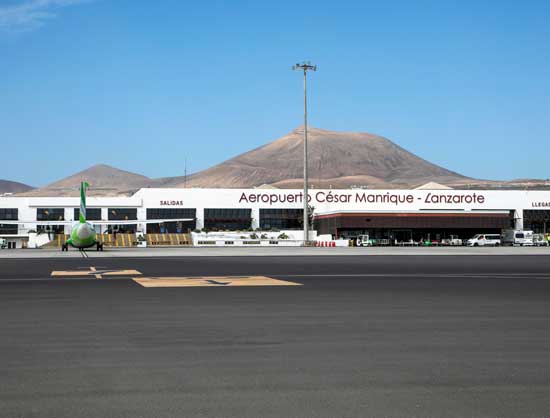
94,272
207,281
121,273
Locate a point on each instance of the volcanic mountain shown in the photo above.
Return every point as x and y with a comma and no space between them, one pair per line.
7,186
336,159
104,180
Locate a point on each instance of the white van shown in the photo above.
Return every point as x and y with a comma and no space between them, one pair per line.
483,240
517,237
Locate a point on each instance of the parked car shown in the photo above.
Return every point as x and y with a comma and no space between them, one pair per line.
483,240
517,237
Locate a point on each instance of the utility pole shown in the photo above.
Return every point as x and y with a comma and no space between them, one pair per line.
305,67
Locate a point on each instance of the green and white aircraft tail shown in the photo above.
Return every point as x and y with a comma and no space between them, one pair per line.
83,234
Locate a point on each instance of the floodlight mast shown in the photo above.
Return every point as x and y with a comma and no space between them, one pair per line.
305,67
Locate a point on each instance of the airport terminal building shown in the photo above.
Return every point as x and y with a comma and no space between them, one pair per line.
397,215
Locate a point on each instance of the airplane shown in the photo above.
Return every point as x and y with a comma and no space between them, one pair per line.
83,234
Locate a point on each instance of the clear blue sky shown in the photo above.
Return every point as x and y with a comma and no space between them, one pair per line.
143,84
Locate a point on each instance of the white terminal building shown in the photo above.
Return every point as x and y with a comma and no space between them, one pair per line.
398,215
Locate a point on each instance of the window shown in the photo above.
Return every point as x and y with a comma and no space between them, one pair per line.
537,220
50,214
55,229
227,219
281,218
171,213
171,227
8,229
9,214
122,214
92,214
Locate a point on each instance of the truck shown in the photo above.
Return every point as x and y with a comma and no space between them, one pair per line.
363,241
517,237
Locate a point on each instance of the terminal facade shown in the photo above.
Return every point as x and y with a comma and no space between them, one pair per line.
397,215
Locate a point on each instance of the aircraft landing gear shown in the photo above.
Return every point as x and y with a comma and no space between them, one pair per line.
65,247
99,247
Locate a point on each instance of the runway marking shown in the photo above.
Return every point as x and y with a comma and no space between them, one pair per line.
219,281
432,275
98,274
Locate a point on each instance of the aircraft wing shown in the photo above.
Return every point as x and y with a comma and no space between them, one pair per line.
133,222
37,222
125,222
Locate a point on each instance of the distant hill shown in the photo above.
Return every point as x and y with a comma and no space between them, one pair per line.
338,159
104,180
7,186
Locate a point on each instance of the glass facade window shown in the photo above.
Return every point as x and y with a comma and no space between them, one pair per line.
171,213
92,214
54,229
227,219
537,220
8,229
122,214
8,214
281,219
50,214
171,227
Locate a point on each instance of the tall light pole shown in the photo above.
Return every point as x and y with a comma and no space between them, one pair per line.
305,67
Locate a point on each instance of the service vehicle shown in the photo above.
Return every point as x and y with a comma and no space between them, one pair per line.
484,240
517,237
453,241
363,241
539,240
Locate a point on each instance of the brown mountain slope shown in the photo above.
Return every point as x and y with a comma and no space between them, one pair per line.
104,181
7,186
342,159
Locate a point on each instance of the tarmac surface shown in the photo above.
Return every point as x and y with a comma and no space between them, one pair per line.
277,336
270,251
